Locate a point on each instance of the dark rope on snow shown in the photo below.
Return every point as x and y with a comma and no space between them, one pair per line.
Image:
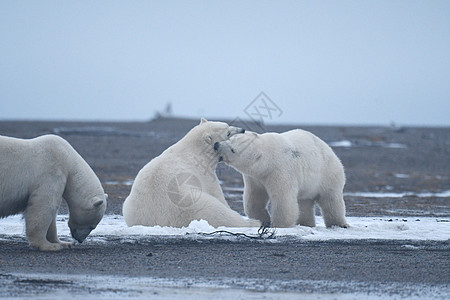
264,233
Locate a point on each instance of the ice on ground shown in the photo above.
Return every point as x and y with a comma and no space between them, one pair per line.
119,287
344,143
115,182
391,228
401,175
366,143
443,194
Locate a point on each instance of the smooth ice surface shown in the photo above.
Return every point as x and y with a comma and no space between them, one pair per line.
118,287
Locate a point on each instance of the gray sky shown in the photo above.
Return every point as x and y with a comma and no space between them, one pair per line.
329,62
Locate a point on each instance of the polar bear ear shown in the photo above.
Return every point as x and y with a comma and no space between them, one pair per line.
208,139
203,120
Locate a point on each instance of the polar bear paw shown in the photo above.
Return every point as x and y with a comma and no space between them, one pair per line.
47,246
67,245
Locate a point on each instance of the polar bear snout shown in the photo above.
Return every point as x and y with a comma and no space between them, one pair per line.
216,149
224,150
80,234
235,130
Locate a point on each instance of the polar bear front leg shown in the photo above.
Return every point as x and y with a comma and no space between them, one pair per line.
52,235
307,215
39,215
255,201
284,207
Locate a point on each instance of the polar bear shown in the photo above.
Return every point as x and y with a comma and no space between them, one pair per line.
35,175
181,185
294,170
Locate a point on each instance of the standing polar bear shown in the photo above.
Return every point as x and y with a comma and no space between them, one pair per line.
294,170
35,176
181,185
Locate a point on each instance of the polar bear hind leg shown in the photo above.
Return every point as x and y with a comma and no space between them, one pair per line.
333,209
307,213
216,214
255,201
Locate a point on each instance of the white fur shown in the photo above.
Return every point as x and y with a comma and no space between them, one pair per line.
152,200
294,170
35,176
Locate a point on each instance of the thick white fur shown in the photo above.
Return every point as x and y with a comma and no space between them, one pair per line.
294,170
35,176
149,202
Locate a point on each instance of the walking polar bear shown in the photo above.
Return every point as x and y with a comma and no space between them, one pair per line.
35,175
181,185
294,170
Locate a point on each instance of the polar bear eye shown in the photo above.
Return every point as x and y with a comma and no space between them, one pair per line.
229,133
232,150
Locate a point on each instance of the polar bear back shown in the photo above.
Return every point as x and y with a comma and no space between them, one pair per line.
315,158
24,164
309,147
302,153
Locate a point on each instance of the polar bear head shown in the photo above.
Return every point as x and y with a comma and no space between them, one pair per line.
84,218
212,132
242,152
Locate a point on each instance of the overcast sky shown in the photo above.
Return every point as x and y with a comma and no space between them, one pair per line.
322,62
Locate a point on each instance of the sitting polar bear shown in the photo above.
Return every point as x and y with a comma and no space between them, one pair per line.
293,170
181,185
35,175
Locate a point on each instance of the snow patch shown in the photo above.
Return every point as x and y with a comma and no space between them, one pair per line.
115,182
399,175
443,194
412,228
344,143
365,143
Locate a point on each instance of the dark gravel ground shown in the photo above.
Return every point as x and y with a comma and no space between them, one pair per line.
386,267
118,150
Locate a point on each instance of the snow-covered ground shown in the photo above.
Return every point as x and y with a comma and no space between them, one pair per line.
410,228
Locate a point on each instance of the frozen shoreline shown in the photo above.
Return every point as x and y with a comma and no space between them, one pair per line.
117,287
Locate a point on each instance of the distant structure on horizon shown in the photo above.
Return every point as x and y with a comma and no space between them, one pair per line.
166,113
